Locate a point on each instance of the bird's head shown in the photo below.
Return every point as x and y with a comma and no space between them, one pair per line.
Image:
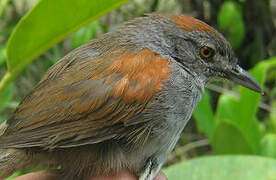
193,44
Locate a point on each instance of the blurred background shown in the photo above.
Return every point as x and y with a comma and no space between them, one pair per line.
228,120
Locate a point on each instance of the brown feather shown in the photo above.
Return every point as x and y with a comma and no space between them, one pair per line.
191,24
65,113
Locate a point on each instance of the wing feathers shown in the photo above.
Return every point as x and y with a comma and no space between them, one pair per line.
77,107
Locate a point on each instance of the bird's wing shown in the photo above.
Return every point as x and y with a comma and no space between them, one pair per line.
86,100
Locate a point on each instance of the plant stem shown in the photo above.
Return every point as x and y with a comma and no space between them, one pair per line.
5,81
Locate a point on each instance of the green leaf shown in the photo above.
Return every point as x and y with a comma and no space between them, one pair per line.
227,108
224,168
204,115
241,111
249,102
85,34
6,96
268,145
47,23
249,99
230,110
229,139
230,20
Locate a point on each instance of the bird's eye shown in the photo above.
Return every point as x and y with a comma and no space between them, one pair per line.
206,52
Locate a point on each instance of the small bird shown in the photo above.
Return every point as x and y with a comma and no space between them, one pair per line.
120,101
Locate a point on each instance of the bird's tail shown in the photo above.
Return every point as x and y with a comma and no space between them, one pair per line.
11,160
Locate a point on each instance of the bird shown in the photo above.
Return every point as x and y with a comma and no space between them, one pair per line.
120,101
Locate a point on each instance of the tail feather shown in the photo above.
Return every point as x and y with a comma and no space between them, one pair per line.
11,160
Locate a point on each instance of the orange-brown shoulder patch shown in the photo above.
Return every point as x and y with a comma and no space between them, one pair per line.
191,24
143,75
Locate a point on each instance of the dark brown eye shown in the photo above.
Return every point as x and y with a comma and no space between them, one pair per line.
206,52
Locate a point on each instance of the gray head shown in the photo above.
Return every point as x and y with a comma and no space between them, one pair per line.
193,44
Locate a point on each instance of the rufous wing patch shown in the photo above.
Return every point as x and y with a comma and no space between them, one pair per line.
142,75
191,24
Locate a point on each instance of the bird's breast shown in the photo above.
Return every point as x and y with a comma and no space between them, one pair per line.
170,113
179,97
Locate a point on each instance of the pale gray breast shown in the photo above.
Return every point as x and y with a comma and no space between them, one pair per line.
181,96
173,109
178,99
169,114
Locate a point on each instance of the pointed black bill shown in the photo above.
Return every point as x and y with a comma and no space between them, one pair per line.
240,76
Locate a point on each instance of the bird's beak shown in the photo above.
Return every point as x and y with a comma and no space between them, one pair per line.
240,76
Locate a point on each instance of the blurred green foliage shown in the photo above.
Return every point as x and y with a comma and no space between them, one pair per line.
235,118
224,167
232,122
230,20
2,55
85,34
268,145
